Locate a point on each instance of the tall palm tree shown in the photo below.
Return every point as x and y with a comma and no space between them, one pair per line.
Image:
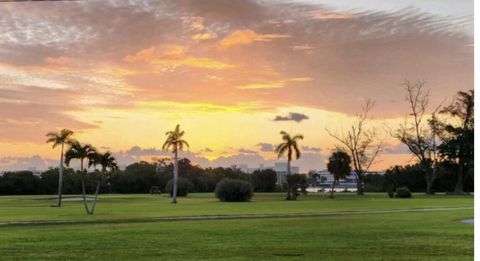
290,147
339,164
176,142
61,138
107,163
82,153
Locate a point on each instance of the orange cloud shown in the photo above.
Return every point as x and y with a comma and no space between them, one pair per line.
273,84
323,15
204,36
168,57
193,62
263,85
170,51
199,107
145,55
60,60
304,47
246,37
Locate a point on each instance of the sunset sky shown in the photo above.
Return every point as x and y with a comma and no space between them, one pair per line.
232,73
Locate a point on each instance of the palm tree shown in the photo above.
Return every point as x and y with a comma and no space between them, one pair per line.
289,146
81,152
174,140
107,162
60,138
339,165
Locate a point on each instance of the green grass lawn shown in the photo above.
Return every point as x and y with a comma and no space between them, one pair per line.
397,236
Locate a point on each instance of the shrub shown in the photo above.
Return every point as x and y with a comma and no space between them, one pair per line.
184,186
390,194
233,190
403,192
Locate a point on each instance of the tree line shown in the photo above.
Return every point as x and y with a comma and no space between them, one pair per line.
138,177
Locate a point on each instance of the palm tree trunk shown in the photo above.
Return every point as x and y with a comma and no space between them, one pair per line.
333,189
289,187
84,197
95,198
60,179
175,177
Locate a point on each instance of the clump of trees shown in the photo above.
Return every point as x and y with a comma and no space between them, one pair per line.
88,157
296,182
87,154
20,183
413,177
441,140
457,136
264,180
434,139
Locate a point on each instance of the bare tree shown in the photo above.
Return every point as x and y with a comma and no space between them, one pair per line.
418,132
360,142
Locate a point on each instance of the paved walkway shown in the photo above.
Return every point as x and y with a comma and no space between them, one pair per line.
225,217
469,221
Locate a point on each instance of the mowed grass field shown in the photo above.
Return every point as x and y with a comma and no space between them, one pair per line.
124,229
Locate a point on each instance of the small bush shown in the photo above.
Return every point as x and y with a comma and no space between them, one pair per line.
280,188
184,186
403,192
390,194
233,190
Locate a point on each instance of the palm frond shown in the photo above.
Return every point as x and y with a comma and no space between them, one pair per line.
297,137
297,151
166,145
69,155
281,149
289,144
52,134
174,140
184,142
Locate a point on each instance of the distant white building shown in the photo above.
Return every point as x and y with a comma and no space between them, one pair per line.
281,169
243,168
325,179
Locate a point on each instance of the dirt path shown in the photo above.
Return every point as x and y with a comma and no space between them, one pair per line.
224,217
